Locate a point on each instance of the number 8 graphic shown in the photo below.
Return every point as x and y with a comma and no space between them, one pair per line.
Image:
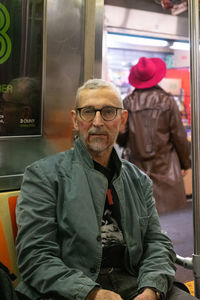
5,42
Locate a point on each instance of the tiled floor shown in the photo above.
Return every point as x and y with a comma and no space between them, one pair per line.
179,227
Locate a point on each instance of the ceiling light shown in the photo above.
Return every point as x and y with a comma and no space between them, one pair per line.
130,39
180,46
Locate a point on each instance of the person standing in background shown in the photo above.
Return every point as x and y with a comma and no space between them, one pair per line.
154,138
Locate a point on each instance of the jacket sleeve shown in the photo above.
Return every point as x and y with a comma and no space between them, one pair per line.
41,267
179,137
157,267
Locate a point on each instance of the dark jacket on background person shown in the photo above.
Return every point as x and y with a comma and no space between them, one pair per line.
155,141
59,214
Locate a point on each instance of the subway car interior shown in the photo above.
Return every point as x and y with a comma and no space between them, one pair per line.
49,48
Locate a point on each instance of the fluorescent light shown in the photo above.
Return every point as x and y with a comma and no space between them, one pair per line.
149,42
129,39
180,46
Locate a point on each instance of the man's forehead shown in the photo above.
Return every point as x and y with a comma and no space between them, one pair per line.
106,95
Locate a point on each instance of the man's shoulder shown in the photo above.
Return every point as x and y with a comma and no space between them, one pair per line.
54,161
150,98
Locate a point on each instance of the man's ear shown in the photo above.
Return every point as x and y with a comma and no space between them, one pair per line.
124,117
74,119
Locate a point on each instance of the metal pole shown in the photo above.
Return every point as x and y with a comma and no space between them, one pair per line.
93,38
89,39
195,117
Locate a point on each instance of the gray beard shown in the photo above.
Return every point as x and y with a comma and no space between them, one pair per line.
97,146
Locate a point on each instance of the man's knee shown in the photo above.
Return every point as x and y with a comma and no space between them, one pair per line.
177,293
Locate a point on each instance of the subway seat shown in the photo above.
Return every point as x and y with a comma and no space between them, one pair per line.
8,232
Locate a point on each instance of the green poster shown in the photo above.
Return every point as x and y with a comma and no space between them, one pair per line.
21,49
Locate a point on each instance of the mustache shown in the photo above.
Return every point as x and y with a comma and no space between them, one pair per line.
97,131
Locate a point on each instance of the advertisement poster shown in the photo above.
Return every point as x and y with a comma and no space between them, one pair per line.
21,48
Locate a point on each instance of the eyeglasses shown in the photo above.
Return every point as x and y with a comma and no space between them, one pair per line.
88,113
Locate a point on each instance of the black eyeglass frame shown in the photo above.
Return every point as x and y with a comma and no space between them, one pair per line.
79,109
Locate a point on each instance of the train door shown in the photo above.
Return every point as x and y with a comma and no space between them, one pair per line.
164,34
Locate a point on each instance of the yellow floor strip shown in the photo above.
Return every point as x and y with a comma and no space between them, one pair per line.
190,286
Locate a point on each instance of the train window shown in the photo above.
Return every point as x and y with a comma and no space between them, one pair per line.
124,50
124,43
21,28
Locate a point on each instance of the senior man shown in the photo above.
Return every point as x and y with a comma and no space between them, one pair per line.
87,223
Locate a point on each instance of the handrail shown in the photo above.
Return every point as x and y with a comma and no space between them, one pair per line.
186,262
195,118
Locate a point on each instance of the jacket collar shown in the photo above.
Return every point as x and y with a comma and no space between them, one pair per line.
81,153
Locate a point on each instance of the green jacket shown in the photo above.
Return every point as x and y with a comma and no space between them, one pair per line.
59,214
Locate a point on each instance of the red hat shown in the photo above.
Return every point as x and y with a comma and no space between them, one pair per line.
147,72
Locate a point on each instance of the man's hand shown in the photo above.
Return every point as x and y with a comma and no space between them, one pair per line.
147,294
101,294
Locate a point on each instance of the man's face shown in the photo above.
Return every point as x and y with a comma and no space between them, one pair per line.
99,135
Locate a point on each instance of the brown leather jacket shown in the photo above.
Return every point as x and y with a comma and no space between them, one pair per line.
155,141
